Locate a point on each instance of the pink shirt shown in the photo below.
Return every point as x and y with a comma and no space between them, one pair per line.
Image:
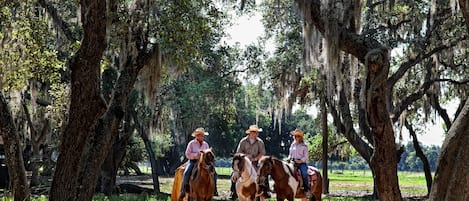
194,147
299,151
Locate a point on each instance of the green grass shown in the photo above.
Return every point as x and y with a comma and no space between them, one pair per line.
411,183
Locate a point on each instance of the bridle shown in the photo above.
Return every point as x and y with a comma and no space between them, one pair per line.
270,164
206,162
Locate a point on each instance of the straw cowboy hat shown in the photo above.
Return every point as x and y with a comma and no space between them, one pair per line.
253,128
297,132
199,131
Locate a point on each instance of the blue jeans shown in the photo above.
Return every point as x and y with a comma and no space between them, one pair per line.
187,174
304,174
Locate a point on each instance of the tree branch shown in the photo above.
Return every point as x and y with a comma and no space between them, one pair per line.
58,20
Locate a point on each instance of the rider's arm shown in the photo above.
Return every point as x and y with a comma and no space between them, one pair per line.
261,149
190,153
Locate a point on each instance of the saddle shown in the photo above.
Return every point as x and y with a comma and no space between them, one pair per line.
312,177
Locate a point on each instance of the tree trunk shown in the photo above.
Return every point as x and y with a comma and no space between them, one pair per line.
151,154
325,137
384,158
86,105
111,165
451,173
36,141
449,183
421,155
464,4
13,153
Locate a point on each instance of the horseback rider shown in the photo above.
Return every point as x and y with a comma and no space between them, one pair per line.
193,154
254,149
299,155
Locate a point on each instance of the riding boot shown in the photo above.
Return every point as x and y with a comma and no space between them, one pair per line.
215,178
308,194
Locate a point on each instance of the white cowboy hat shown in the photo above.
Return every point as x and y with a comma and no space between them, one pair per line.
199,131
253,128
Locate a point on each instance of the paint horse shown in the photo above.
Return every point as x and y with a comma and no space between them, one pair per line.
201,183
286,184
244,175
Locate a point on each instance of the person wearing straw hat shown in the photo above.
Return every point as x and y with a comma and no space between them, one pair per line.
193,154
254,149
299,155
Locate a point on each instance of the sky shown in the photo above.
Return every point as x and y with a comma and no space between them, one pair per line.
247,29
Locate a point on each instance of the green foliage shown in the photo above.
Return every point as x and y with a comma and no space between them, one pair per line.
161,143
135,151
58,111
26,52
183,27
410,162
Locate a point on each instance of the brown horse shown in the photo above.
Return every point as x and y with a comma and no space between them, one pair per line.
286,185
208,159
244,175
202,184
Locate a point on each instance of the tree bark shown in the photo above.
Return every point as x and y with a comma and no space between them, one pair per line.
36,141
151,154
421,155
464,4
86,105
451,173
384,158
113,160
13,153
325,137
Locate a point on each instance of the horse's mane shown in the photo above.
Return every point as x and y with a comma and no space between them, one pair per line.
276,160
204,161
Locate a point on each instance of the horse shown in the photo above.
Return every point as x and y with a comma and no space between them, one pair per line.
244,175
286,185
198,178
202,184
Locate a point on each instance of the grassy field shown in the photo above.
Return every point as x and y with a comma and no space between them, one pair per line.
343,186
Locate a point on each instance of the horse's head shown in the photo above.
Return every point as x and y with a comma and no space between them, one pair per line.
207,157
265,169
237,165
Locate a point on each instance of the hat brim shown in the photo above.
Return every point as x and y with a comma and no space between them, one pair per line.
295,133
249,130
196,133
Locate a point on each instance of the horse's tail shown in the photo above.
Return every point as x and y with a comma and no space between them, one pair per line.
178,174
